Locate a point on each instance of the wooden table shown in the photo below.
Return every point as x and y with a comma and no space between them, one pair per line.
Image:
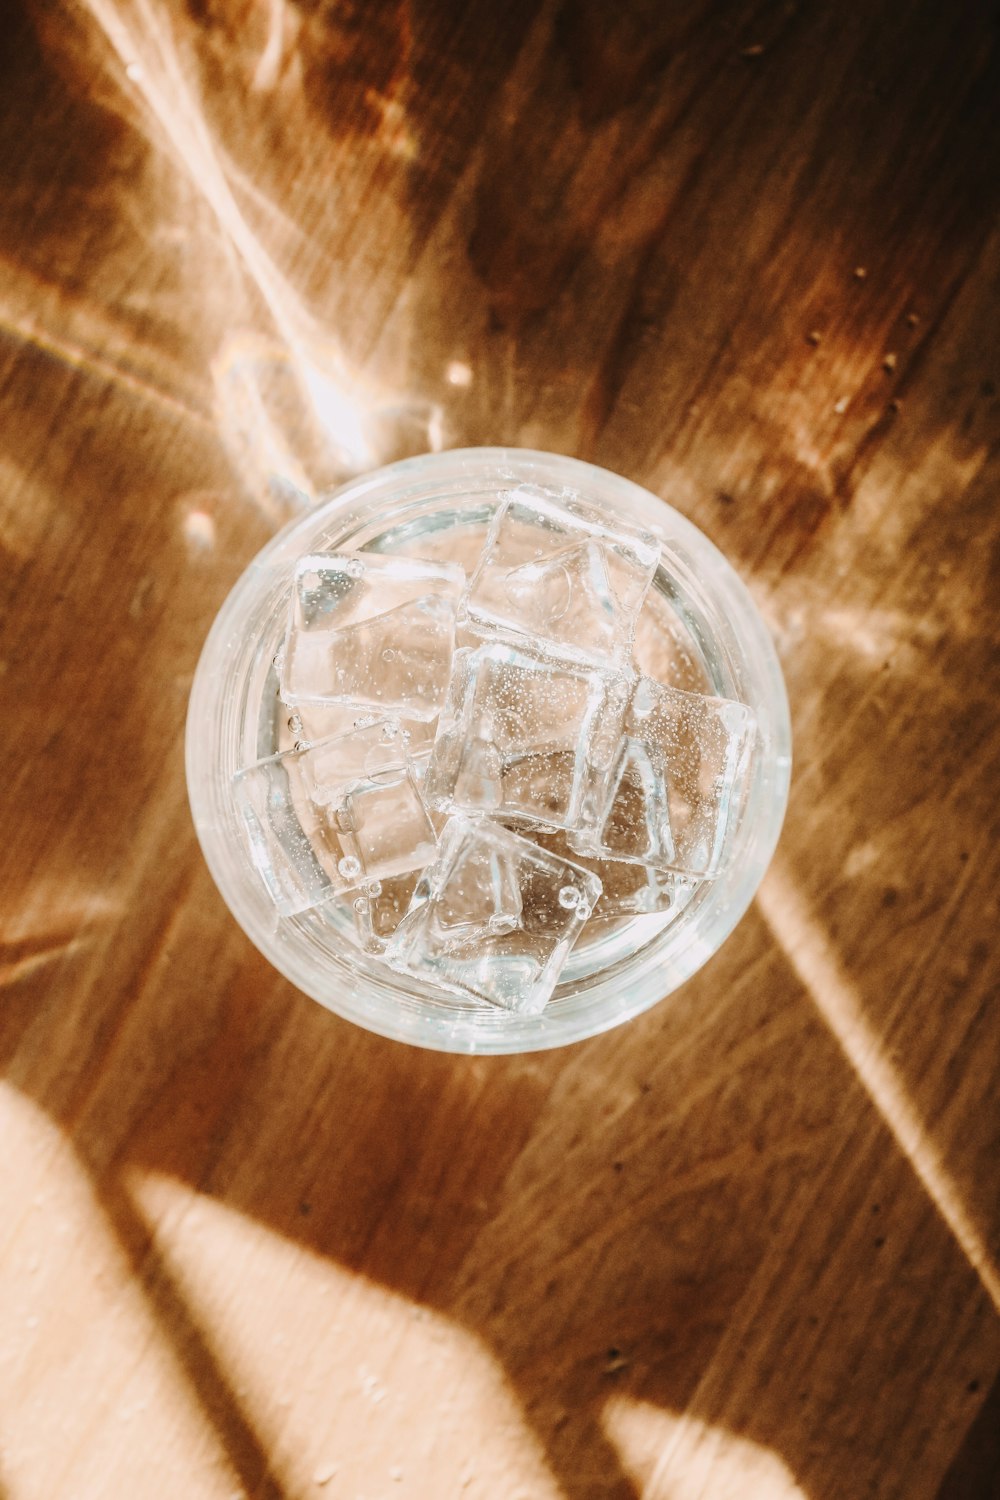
748,1245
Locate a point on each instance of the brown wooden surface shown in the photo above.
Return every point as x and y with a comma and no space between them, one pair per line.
746,254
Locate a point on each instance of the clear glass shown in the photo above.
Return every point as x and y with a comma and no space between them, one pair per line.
699,630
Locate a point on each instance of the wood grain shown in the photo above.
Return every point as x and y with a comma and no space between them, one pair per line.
747,255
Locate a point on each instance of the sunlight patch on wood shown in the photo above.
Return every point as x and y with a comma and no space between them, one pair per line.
83,1358
344,1376
141,35
815,960
674,1457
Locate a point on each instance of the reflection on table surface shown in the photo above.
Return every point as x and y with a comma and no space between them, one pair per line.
747,1245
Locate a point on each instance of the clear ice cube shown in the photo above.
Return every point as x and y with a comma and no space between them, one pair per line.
373,630
566,576
494,918
309,722
681,770
630,889
380,908
334,816
527,736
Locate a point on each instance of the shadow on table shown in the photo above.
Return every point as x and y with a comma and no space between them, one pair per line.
974,1473
641,1218
606,1229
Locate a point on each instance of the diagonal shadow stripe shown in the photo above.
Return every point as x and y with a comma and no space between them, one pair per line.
189,1343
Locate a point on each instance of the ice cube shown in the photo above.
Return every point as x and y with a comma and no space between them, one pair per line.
629,889
680,773
309,722
562,574
527,736
494,917
380,907
333,816
372,630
